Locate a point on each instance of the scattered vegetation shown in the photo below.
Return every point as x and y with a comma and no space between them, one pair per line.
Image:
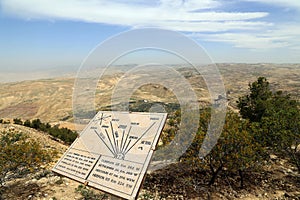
146,196
18,121
64,134
2,121
89,194
144,106
42,174
20,155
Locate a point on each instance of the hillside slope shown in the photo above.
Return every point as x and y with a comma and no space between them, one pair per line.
51,99
278,180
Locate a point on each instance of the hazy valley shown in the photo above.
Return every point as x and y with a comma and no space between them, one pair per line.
51,99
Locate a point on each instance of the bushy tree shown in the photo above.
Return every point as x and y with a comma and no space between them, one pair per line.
36,124
280,127
277,118
27,123
253,106
236,150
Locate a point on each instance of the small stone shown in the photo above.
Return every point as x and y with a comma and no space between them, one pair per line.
259,195
65,179
42,181
273,157
54,179
32,181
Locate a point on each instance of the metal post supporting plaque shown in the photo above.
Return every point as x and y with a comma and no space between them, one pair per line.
113,152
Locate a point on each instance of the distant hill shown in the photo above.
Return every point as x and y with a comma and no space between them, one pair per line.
51,99
14,75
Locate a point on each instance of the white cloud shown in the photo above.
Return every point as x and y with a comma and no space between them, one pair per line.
250,41
189,5
241,29
173,14
212,26
281,3
280,37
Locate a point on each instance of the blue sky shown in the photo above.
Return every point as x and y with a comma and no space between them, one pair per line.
44,34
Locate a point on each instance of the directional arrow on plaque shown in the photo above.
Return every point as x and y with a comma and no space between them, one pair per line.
113,152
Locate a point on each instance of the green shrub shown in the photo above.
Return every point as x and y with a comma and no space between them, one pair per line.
19,154
88,194
236,150
276,117
64,134
27,123
18,121
43,174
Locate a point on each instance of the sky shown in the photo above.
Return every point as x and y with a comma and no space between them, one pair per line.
46,34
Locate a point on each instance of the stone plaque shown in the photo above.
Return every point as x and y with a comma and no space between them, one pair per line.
113,152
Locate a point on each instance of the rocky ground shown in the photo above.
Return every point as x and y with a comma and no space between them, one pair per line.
278,180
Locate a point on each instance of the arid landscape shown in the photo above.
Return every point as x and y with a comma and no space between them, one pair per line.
150,100
51,101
